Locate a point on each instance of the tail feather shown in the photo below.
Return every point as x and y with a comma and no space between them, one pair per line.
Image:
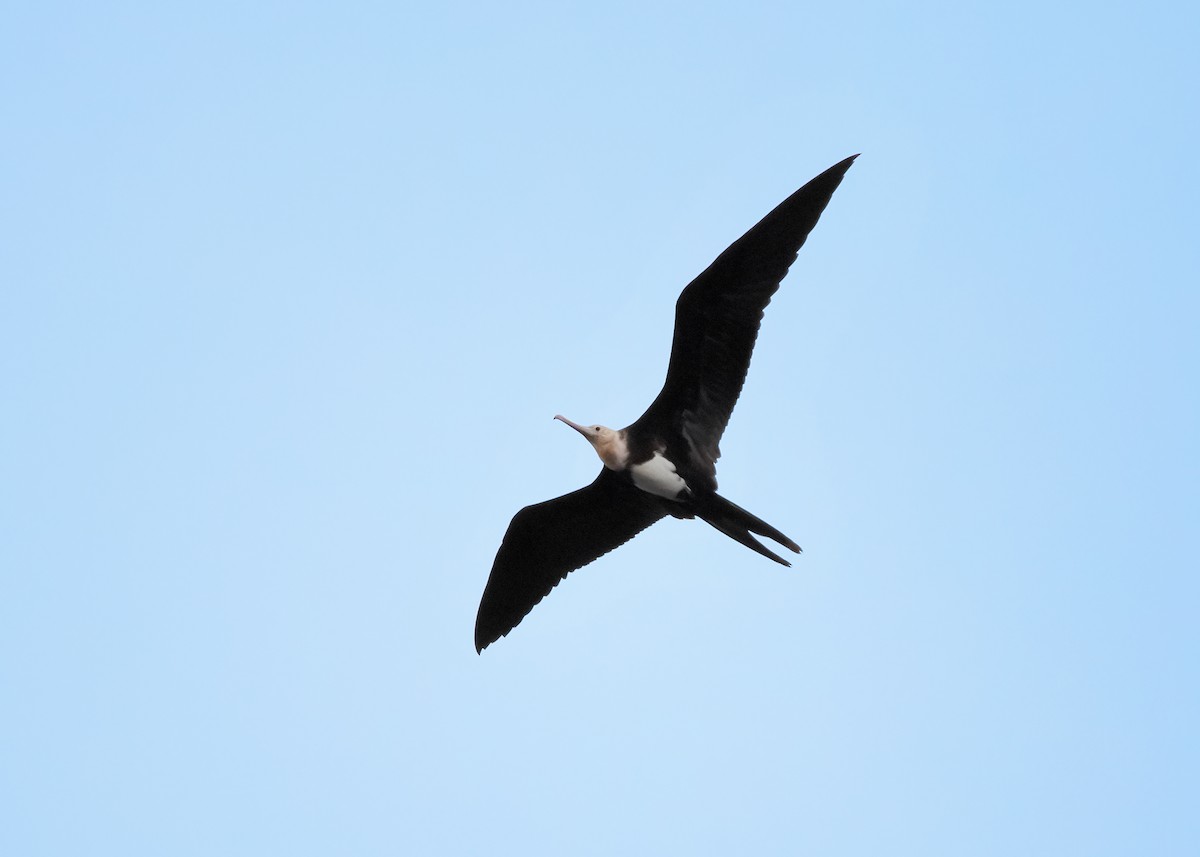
735,522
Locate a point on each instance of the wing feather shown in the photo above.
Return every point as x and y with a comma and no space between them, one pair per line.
547,541
717,318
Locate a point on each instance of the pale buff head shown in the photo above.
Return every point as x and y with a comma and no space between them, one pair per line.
608,443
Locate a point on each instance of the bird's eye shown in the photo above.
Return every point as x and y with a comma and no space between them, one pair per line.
595,428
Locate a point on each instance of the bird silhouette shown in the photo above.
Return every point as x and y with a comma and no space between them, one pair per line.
665,462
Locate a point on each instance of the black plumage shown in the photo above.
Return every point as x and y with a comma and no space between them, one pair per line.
665,462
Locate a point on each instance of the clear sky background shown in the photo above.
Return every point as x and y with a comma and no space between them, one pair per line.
291,292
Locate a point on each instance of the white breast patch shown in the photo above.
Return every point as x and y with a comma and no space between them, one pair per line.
657,476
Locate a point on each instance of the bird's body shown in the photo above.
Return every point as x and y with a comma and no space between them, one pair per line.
658,475
665,462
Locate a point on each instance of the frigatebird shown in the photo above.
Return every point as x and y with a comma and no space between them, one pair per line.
664,463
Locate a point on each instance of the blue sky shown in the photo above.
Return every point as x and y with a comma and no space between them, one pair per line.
292,292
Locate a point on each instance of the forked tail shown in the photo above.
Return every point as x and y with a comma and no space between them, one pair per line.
738,524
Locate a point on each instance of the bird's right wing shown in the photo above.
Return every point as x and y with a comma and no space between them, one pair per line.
717,318
547,541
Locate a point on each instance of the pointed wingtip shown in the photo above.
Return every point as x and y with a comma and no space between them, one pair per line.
845,163
484,637
839,169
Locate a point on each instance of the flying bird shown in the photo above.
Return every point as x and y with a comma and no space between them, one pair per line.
665,462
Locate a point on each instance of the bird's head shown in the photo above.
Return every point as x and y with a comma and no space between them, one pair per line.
609,444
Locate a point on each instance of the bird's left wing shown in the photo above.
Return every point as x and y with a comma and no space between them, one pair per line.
547,541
